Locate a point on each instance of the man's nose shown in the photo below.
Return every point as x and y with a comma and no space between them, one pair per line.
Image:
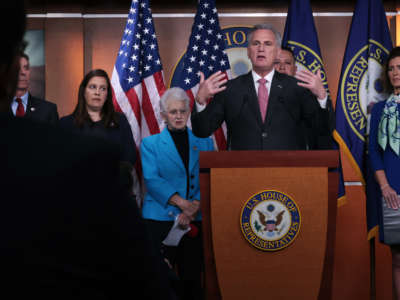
261,47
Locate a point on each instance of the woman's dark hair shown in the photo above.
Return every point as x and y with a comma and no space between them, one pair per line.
107,114
386,81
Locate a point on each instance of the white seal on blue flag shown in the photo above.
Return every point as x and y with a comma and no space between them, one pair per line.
362,87
307,58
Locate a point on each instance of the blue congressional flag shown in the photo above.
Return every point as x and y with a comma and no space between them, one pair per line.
205,53
301,36
360,86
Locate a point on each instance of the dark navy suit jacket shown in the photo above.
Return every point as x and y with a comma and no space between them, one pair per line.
41,110
291,108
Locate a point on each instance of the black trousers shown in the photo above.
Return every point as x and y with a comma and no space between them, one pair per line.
187,257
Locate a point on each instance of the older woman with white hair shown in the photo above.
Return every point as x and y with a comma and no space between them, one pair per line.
170,163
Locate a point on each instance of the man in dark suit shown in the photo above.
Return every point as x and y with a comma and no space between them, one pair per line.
68,229
26,105
285,105
285,62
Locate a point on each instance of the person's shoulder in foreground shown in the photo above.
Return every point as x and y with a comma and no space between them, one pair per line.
70,229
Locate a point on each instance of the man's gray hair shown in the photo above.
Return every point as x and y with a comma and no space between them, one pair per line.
175,93
278,37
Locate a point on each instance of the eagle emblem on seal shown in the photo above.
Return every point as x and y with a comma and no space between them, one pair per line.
270,223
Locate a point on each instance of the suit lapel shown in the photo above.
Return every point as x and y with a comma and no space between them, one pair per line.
170,149
274,94
279,84
252,97
31,106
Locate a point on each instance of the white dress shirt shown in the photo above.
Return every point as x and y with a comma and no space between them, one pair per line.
268,78
24,100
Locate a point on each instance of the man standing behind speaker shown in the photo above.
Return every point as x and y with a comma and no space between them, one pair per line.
26,105
285,62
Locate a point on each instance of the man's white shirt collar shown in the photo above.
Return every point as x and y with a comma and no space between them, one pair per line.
268,78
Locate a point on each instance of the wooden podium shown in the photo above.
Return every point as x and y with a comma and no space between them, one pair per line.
236,269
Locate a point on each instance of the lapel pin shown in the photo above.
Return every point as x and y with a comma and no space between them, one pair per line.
279,86
32,109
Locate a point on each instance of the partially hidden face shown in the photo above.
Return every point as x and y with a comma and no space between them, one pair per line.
262,51
394,72
176,114
96,93
24,74
285,63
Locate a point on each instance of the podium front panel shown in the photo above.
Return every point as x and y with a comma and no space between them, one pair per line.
243,270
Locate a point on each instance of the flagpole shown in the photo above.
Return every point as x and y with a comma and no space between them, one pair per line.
372,269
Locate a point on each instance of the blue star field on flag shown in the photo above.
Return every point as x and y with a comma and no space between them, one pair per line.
206,50
138,56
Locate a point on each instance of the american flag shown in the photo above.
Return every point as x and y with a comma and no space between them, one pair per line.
205,53
137,80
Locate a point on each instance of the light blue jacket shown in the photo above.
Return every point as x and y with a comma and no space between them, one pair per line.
165,174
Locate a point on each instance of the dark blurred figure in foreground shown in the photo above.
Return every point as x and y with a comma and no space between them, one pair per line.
67,230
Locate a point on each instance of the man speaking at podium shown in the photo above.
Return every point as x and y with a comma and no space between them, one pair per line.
263,109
